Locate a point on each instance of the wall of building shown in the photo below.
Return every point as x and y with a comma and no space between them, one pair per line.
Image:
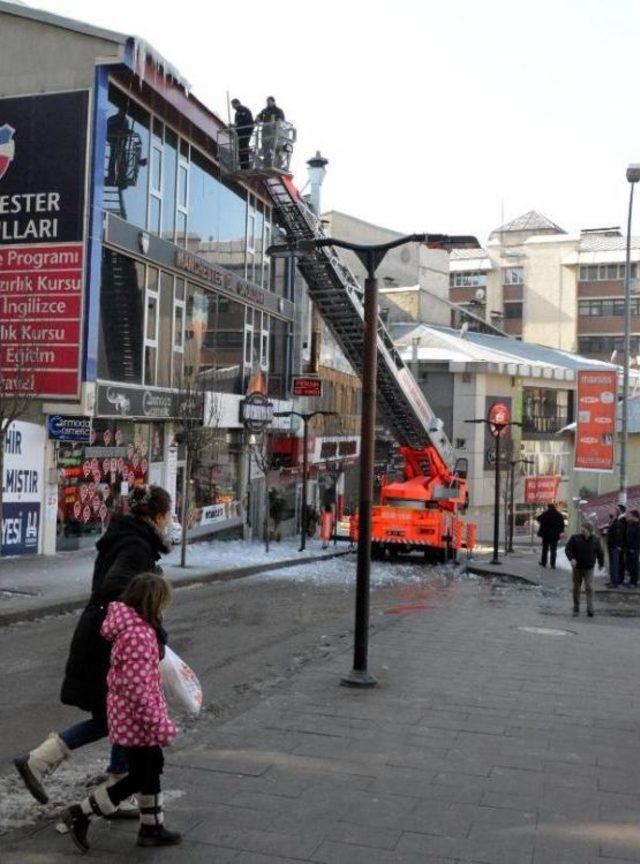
550,295
410,265
36,57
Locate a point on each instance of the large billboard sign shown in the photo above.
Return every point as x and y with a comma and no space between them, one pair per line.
43,143
596,423
23,485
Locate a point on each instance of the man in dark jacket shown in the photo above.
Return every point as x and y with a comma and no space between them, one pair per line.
632,551
243,121
270,117
583,550
618,529
551,523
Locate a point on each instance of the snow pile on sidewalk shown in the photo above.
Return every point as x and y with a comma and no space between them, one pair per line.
67,785
222,554
342,572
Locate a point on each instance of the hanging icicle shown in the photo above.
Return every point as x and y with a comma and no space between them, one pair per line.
143,52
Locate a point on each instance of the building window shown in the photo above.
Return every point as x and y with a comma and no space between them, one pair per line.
606,308
474,279
122,298
127,158
152,317
179,318
605,272
606,345
513,310
513,276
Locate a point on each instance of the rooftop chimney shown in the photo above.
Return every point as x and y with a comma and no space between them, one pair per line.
317,172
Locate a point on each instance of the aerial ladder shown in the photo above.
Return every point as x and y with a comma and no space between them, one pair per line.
425,509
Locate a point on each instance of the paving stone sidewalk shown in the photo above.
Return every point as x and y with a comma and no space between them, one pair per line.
497,735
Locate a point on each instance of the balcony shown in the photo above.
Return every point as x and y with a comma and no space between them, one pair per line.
547,423
261,148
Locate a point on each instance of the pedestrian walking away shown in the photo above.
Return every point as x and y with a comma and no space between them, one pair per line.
243,122
618,530
132,544
633,547
270,117
583,550
551,523
326,525
137,713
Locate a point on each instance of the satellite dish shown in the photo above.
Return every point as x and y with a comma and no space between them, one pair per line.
480,295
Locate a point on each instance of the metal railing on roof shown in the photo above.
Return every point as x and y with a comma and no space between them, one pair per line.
260,147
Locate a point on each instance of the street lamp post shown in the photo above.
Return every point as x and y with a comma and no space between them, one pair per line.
512,514
498,430
370,256
305,417
633,176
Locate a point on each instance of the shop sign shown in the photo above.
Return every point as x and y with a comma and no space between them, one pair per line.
23,485
306,386
256,412
326,449
105,453
63,428
595,426
541,490
116,400
497,410
213,513
42,190
218,277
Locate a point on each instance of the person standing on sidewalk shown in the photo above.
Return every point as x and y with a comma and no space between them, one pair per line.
609,532
132,544
551,528
137,713
583,550
633,547
618,529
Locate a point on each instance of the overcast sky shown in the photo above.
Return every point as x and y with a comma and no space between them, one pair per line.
437,116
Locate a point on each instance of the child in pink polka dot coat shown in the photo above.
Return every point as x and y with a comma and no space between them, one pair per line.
136,712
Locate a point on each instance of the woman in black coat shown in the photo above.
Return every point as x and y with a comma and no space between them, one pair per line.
132,544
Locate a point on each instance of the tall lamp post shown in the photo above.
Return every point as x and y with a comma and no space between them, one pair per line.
370,256
512,513
633,176
499,423
305,417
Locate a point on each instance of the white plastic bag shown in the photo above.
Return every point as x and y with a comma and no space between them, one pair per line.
180,682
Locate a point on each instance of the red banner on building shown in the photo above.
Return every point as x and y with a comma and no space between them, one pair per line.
41,317
541,490
596,420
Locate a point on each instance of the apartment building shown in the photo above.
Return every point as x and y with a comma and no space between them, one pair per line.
542,285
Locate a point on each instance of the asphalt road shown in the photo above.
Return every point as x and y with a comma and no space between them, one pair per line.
241,637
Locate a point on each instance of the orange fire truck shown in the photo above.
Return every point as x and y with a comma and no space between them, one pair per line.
423,511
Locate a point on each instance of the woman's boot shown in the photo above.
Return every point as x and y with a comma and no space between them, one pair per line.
152,831
34,766
78,816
